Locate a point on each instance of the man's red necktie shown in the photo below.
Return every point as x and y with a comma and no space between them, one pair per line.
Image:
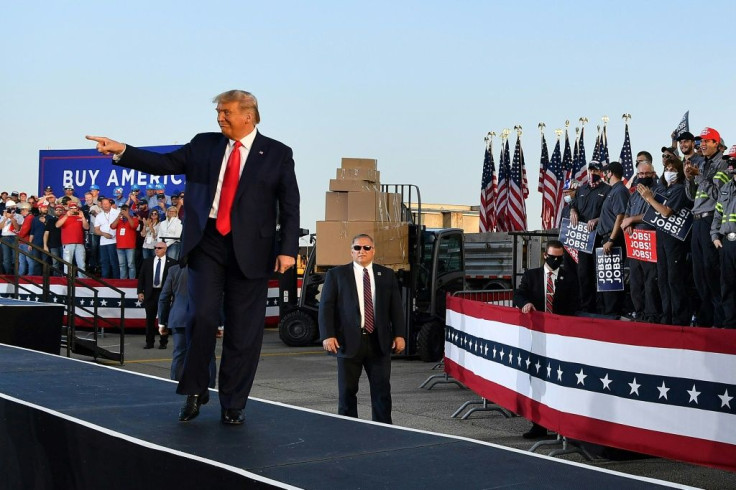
550,296
227,192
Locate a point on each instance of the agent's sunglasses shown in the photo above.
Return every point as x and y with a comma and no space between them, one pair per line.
367,248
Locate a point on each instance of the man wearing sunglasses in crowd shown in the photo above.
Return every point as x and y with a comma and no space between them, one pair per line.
361,320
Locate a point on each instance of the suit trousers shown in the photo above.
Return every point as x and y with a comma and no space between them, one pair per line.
644,291
378,369
214,277
151,307
728,284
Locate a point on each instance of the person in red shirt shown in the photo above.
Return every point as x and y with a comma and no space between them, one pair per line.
25,262
72,224
126,230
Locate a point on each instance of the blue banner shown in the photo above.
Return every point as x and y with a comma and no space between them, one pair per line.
577,237
609,269
86,167
678,225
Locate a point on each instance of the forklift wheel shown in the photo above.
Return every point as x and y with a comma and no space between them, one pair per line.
431,341
298,329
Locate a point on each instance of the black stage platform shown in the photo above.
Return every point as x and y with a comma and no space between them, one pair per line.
31,324
70,424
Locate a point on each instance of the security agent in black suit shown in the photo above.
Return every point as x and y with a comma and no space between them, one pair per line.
531,295
347,329
149,290
241,225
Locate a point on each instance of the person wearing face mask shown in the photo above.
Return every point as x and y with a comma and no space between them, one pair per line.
547,289
609,233
723,234
672,275
642,274
586,207
703,186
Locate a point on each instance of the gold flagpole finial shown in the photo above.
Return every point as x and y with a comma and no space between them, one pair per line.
558,133
505,133
517,128
626,117
567,123
577,132
541,127
605,120
583,120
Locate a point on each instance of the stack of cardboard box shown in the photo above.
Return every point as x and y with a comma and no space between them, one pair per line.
355,205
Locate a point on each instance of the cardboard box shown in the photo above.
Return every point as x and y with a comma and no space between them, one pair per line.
353,185
359,174
365,163
336,206
334,239
374,206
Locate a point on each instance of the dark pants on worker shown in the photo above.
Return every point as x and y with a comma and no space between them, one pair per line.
644,291
672,280
378,369
213,272
587,281
706,273
728,286
151,307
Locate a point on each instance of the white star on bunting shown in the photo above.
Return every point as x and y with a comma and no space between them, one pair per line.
694,394
662,391
581,377
634,387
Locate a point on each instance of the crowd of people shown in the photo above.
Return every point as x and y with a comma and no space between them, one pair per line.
105,236
692,281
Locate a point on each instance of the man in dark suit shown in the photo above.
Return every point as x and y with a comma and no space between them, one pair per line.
361,320
240,186
151,280
550,289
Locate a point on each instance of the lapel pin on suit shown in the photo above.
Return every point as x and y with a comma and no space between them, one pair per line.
260,152
378,273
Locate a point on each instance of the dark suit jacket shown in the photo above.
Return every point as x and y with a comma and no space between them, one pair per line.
173,304
145,277
532,290
267,192
339,309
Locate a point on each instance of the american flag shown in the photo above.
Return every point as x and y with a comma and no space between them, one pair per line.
642,387
581,165
597,150
604,147
488,190
551,184
626,158
543,162
567,165
518,191
502,196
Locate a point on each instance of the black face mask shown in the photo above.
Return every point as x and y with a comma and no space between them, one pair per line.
554,262
595,178
646,181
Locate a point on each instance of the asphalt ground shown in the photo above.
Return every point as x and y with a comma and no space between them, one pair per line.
307,377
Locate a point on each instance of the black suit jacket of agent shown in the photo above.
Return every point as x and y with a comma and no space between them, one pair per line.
145,277
267,192
533,286
339,309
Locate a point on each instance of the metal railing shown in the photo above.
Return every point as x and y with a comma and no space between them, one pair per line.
498,297
76,313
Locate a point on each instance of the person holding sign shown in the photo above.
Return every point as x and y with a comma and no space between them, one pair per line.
723,234
642,274
671,252
586,207
703,185
609,231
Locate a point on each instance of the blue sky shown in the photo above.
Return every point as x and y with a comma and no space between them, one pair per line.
416,85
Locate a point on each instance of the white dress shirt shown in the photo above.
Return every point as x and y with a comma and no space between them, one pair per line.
247,143
358,272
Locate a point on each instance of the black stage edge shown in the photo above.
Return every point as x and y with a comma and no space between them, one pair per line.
72,424
32,325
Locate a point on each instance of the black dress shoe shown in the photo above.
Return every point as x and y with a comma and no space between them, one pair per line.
536,432
190,410
162,346
148,346
233,416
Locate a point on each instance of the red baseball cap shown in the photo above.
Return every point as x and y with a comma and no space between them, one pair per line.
730,153
73,205
710,134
